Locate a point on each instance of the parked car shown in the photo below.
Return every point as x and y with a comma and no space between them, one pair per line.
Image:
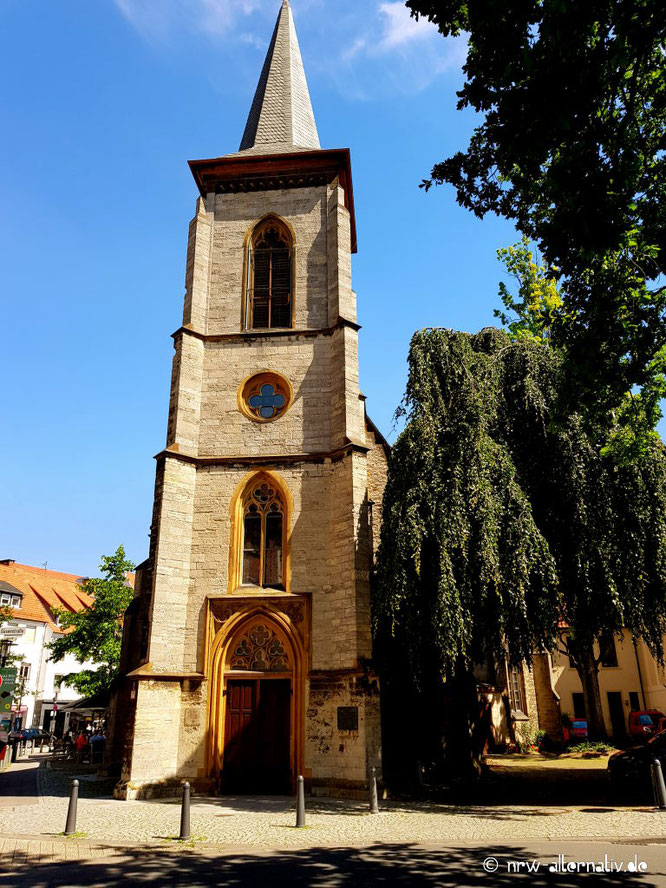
661,725
36,735
643,724
578,729
629,772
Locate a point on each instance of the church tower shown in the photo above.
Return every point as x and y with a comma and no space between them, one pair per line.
247,649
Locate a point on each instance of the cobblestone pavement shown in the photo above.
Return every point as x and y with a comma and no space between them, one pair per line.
269,822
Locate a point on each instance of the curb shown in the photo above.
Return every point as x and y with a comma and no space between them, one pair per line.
220,847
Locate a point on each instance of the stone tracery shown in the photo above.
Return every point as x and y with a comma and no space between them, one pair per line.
260,650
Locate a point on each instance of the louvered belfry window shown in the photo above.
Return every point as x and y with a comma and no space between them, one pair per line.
270,276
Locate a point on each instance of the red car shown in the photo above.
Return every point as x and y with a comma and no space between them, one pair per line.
661,725
644,724
577,730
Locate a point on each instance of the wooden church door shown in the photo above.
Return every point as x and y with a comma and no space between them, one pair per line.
257,736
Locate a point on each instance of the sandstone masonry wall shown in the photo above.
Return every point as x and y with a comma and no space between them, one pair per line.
213,450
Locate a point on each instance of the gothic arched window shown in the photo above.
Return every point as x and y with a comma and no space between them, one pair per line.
269,285
263,536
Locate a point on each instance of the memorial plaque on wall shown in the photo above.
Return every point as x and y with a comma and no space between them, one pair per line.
347,718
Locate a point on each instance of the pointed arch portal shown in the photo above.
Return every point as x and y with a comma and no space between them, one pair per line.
256,716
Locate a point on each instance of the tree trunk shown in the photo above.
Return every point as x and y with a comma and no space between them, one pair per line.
463,729
433,735
588,672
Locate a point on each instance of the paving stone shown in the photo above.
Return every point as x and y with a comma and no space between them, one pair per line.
269,823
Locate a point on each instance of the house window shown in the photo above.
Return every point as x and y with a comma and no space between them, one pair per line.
269,291
517,690
8,600
607,650
24,672
579,705
263,537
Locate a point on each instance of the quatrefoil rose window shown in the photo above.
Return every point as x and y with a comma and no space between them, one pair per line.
265,397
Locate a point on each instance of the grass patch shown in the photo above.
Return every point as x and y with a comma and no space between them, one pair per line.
599,747
546,764
186,843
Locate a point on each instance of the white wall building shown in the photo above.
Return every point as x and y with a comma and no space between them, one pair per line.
33,594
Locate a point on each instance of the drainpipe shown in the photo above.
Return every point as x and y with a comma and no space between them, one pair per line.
640,674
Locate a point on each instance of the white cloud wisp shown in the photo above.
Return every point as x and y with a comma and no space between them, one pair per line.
399,28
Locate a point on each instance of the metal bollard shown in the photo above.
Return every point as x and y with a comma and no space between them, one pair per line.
300,803
185,814
658,785
14,750
70,825
374,804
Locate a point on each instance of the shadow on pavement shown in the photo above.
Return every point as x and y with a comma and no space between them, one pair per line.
375,865
233,805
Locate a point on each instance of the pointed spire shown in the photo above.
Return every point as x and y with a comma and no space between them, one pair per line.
281,116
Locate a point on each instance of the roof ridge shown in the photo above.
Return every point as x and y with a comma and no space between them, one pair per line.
17,565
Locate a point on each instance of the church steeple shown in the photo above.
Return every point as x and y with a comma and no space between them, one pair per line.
281,117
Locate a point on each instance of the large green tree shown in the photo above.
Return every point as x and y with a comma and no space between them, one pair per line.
463,570
600,507
500,524
604,520
571,147
95,633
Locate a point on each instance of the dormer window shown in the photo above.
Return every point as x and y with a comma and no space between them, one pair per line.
7,599
270,276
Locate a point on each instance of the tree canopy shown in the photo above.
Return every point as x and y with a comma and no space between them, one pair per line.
499,524
463,568
96,632
538,301
572,148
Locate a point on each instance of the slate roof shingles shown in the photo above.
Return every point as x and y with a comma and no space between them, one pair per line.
281,116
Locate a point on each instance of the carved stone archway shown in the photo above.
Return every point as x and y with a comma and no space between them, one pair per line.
255,645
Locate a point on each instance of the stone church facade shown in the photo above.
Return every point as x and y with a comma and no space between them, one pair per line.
247,648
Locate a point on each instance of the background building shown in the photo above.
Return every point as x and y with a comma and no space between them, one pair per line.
34,593
629,679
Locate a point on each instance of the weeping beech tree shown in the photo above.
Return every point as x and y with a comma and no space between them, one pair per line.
463,570
498,525
603,516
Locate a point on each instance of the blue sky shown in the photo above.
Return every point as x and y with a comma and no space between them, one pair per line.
103,103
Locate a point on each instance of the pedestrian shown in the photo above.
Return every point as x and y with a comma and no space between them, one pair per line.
81,747
69,744
97,744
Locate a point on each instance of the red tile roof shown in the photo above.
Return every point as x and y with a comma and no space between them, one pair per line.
45,590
